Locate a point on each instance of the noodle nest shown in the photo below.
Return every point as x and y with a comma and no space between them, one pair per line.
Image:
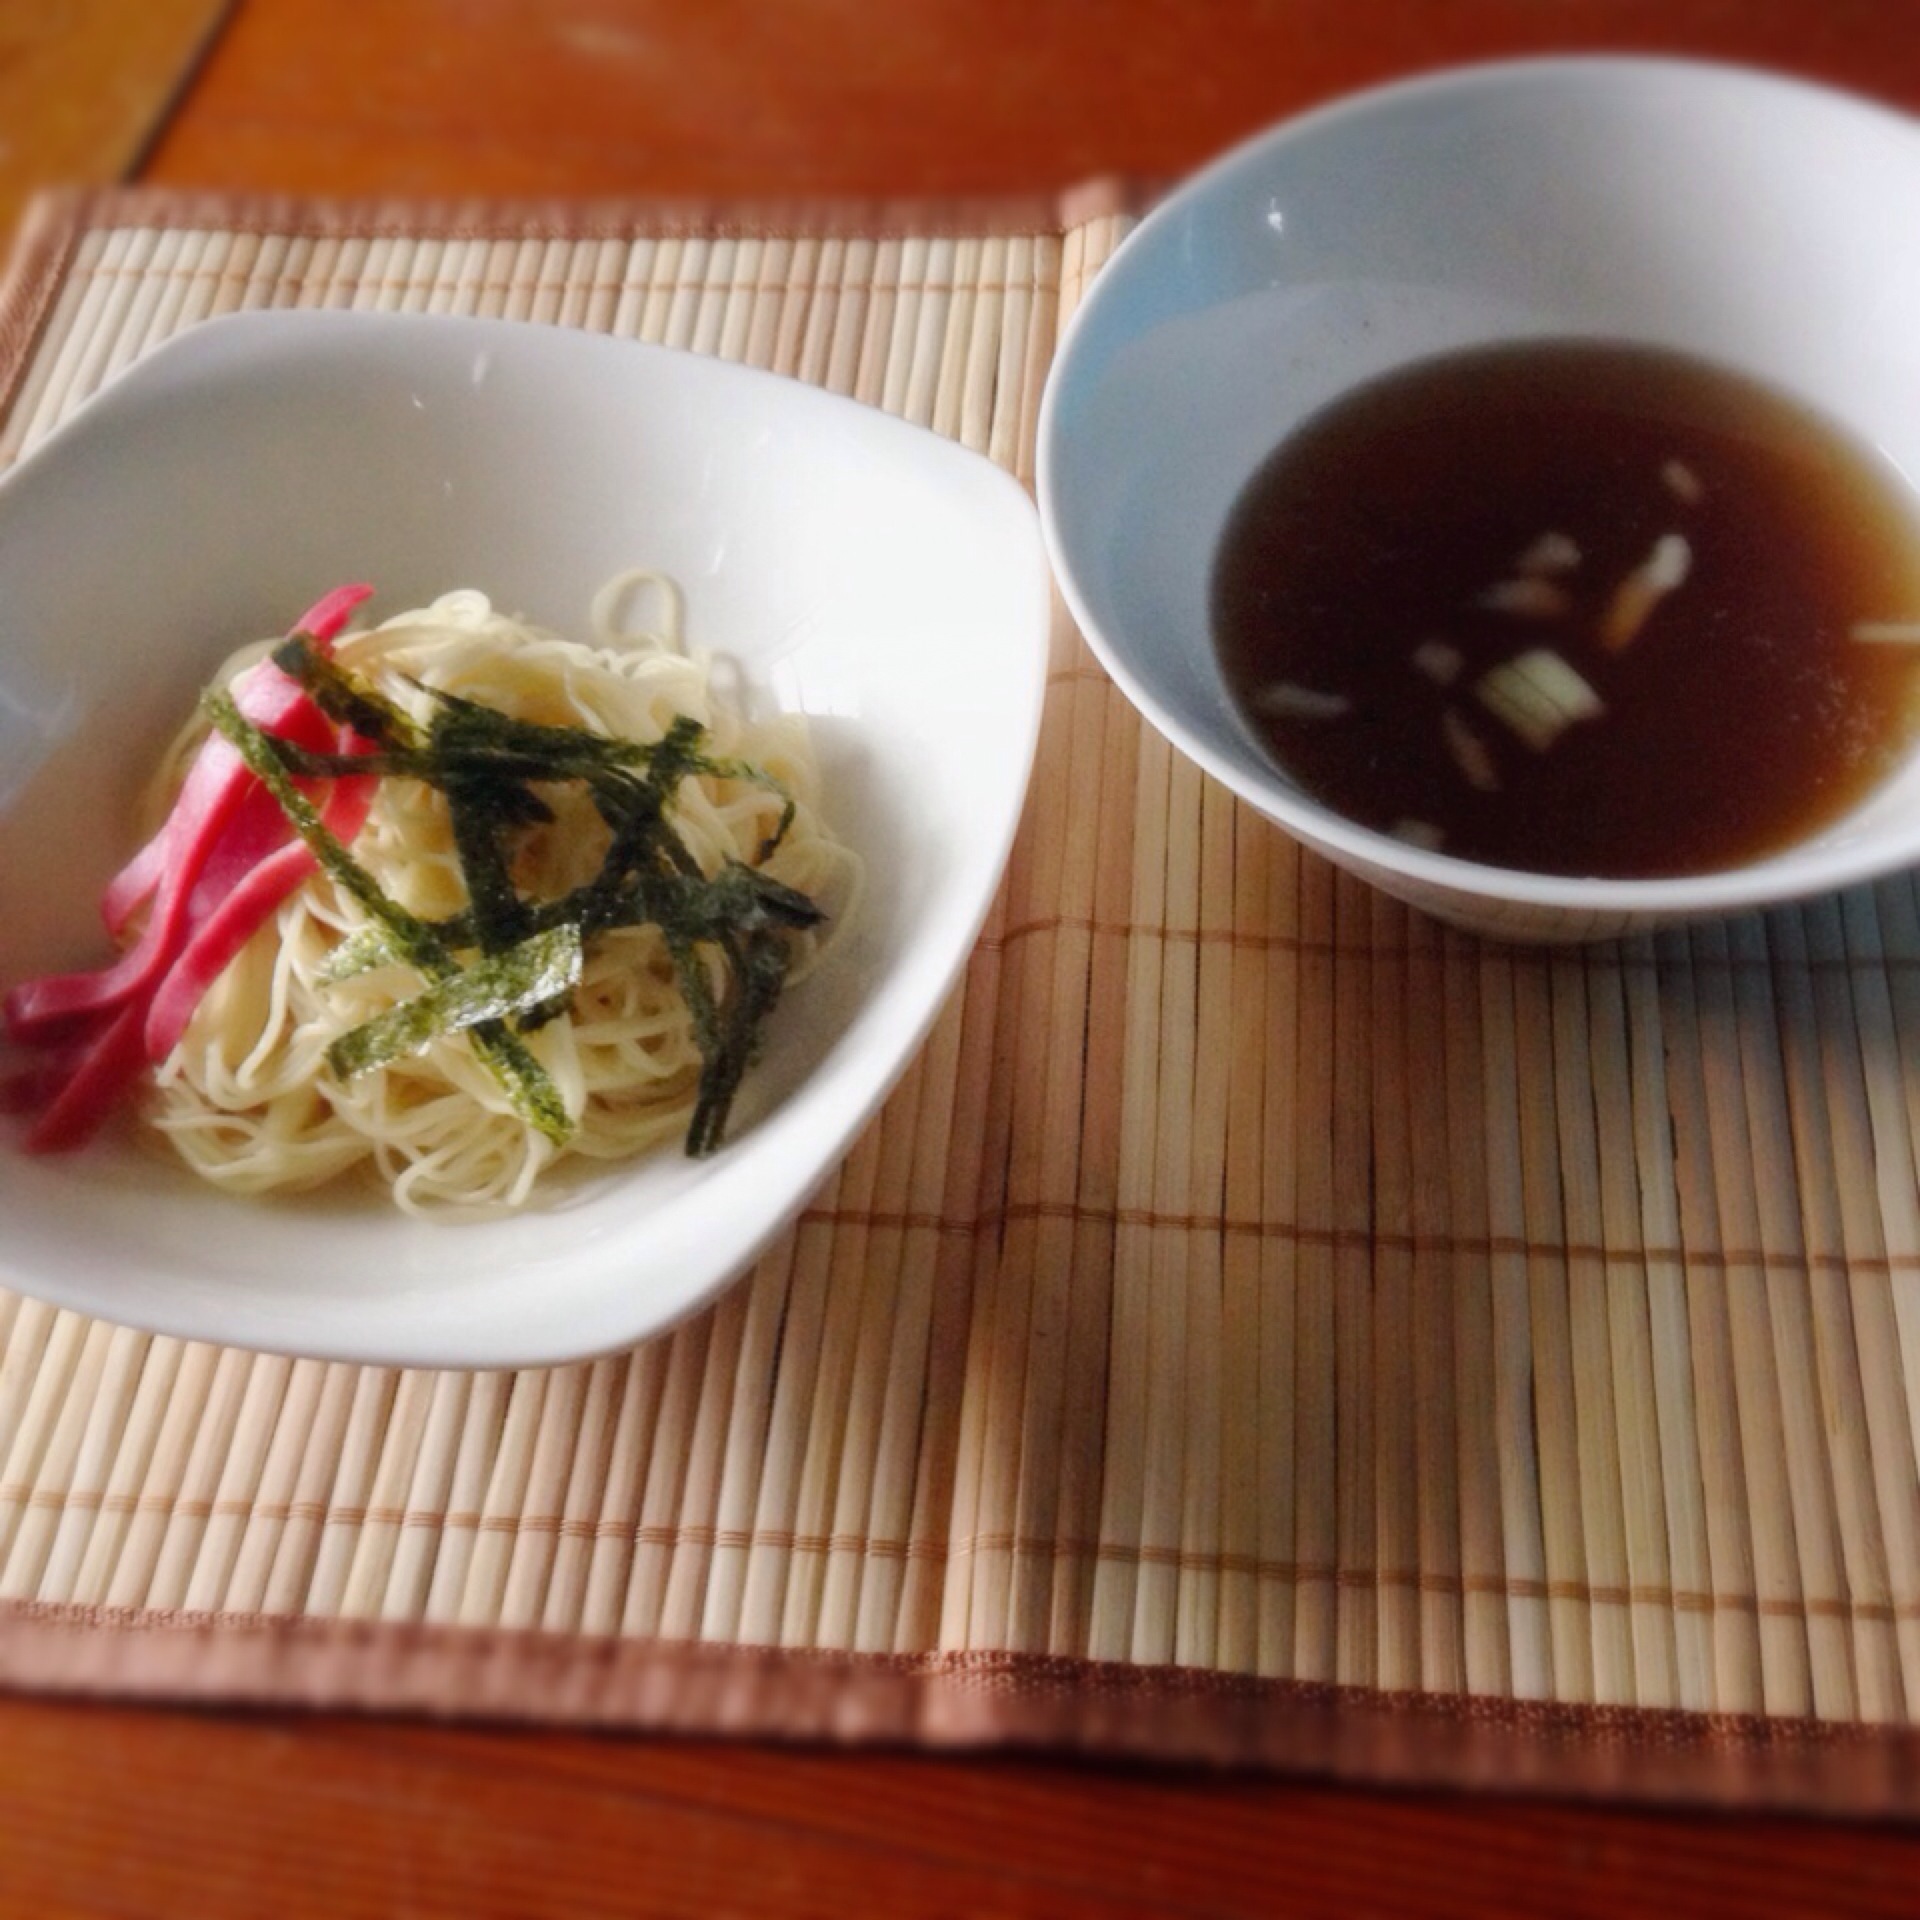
247,1098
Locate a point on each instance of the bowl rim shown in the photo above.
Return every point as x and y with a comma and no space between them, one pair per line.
1609,900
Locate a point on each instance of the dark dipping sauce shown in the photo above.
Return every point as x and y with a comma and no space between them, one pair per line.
1503,504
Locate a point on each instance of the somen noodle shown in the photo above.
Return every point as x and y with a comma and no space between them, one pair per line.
247,1097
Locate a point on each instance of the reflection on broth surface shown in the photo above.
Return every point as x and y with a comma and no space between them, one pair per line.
1576,608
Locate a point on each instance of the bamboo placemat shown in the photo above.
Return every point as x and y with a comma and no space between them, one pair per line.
1263,1326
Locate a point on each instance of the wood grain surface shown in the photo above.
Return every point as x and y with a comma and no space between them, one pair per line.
116,1810
858,96
86,84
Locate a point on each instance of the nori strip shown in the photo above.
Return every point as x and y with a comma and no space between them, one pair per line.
536,971
360,952
529,1086
487,763
341,697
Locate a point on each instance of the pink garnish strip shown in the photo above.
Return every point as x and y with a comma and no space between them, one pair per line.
267,698
99,1079
219,866
226,927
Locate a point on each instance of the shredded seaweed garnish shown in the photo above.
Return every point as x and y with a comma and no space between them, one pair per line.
726,933
527,1083
360,952
341,697
531,974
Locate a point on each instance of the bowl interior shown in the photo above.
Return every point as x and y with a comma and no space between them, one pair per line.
1752,221
885,582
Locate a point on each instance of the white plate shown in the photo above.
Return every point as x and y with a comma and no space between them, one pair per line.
884,581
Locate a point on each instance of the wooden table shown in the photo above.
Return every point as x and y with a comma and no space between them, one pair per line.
106,1809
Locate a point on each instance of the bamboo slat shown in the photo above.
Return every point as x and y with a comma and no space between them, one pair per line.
1249,1276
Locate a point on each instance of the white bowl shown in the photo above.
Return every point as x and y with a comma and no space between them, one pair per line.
884,581
1753,221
